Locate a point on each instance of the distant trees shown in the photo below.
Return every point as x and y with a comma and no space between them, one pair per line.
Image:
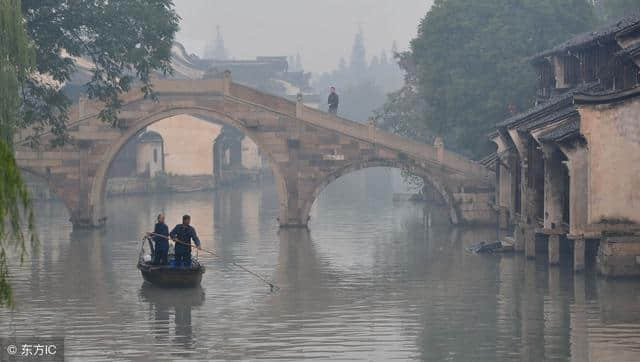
125,41
358,60
613,9
362,84
469,65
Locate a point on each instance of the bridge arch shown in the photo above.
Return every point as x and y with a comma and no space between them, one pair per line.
98,187
370,163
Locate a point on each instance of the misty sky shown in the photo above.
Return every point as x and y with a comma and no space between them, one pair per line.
321,30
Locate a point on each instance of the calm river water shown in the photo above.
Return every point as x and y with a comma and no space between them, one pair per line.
370,281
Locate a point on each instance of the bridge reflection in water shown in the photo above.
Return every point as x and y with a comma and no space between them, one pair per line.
370,281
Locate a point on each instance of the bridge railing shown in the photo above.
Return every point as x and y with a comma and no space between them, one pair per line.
360,131
278,104
416,149
85,109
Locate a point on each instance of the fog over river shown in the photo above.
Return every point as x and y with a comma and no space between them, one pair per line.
374,279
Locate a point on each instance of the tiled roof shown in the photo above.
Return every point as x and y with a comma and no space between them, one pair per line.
560,100
547,109
606,96
560,114
608,31
564,131
489,161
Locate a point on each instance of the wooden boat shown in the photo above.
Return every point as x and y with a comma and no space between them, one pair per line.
492,247
169,276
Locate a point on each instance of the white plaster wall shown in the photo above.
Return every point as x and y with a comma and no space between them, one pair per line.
188,144
144,158
613,136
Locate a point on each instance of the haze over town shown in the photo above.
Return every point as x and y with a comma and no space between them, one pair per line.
375,180
321,31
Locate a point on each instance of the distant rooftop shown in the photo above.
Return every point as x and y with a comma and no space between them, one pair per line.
607,32
150,137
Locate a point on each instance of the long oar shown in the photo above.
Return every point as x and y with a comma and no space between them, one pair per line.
271,285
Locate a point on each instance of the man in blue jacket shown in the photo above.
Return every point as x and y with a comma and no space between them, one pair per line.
161,239
183,234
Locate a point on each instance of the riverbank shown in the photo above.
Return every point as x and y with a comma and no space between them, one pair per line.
161,183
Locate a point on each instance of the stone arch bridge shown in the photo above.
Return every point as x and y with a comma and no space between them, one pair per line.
306,148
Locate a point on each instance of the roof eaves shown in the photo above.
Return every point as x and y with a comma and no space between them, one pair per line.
608,32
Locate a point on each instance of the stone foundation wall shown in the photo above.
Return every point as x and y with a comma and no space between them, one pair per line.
476,208
161,183
128,185
619,256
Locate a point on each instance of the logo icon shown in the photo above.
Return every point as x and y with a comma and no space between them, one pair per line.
12,349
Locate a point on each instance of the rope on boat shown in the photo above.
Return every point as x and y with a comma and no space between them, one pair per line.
270,284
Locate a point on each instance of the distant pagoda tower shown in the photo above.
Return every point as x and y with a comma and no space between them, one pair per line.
216,50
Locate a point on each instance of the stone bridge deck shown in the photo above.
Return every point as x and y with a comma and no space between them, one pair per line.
307,148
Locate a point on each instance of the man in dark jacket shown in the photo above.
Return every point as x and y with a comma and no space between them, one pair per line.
161,239
333,101
183,234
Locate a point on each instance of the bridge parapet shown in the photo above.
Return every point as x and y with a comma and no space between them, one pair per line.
416,150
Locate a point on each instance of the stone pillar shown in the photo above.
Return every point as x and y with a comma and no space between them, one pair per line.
553,188
291,213
527,202
371,127
514,162
578,254
82,106
578,199
504,189
294,211
578,188
299,106
525,218
554,249
438,144
81,215
226,83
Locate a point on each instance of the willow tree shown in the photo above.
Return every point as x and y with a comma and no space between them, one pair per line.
16,63
41,42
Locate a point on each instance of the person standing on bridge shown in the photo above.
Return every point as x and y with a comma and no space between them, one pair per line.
333,101
183,234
